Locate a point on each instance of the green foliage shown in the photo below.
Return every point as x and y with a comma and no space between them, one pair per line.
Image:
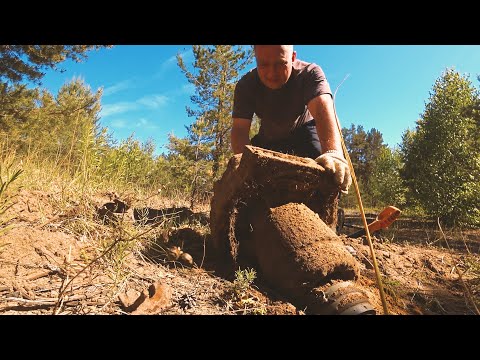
130,163
254,126
241,299
349,201
386,185
363,148
19,63
191,167
64,129
473,111
16,105
202,156
61,132
442,161
77,111
243,280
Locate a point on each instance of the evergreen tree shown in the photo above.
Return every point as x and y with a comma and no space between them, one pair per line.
16,104
216,70
442,161
201,157
385,184
19,63
64,128
363,148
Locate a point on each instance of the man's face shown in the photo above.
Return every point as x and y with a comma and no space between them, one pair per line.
274,64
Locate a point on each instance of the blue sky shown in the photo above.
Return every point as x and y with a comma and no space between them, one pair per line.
386,86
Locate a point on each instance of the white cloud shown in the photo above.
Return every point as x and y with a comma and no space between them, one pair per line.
146,124
166,65
172,60
186,89
142,122
130,124
119,123
186,55
153,101
117,108
122,85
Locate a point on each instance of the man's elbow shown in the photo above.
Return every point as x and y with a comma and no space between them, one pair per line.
325,100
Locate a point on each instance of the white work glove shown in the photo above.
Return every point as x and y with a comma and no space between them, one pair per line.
333,161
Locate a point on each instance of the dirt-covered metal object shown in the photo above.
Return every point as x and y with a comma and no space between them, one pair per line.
277,213
294,250
270,178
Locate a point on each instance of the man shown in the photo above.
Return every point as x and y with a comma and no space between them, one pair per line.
294,102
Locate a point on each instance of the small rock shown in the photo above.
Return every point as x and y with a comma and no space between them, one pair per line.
159,297
186,259
131,299
351,250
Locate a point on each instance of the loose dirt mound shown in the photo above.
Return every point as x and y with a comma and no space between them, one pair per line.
71,262
418,279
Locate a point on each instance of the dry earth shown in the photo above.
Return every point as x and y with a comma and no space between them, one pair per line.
57,257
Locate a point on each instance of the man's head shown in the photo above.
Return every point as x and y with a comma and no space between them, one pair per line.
274,64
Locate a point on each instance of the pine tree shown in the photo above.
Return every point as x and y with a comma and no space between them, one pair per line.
22,63
216,71
202,156
19,63
16,105
363,148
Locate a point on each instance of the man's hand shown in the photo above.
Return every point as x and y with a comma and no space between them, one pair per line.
336,163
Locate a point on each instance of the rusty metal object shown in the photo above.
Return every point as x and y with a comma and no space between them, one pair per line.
277,213
270,178
294,250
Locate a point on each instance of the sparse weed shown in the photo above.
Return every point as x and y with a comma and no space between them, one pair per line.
243,280
241,300
391,287
9,172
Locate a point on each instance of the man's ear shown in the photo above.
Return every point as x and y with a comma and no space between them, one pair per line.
294,56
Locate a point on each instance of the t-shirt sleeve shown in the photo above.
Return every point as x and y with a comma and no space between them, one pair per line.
315,83
243,100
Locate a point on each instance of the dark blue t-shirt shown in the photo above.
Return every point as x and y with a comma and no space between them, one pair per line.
284,110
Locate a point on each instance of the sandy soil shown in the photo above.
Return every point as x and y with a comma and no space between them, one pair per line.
69,261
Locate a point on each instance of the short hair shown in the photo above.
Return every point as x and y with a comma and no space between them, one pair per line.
289,48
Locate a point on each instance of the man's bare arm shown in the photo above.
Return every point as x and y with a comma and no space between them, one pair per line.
240,134
321,108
